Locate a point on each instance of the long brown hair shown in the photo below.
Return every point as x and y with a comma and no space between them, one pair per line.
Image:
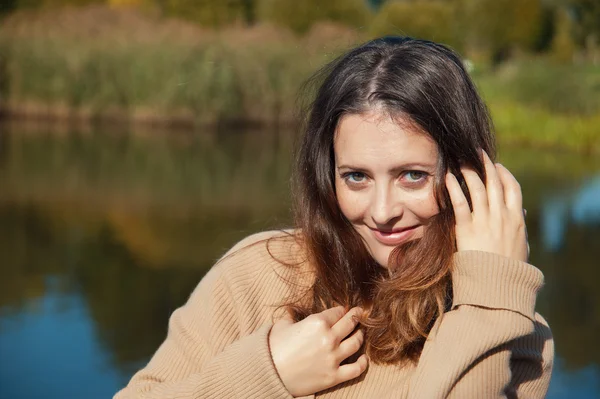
414,81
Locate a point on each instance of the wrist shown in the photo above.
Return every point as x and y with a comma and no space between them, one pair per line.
494,281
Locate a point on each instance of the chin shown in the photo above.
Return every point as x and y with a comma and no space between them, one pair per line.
382,258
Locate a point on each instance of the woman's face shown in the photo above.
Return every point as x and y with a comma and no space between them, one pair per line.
384,176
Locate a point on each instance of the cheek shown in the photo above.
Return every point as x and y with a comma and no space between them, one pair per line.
423,204
350,203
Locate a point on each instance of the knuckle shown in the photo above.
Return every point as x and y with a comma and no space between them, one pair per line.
514,191
461,203
517,185
479,192
317,321
331,363
328,342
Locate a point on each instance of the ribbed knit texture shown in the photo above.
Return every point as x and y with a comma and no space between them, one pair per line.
491,344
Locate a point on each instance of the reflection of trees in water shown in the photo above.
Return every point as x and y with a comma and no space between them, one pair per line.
129,305
29,253
581,207
571,298
130,289
131,222
218,169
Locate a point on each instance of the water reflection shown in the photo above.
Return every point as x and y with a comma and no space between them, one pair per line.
581,383
103,235
58,327
581,207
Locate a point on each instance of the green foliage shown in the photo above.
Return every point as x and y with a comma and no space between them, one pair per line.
52,3
566,89
543,104
499,26
8,6
432,20
158,75
586,14
301,15
210,82
213,13
563,45
245,75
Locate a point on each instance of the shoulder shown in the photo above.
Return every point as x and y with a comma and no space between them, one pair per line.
263,263
278,246
256,243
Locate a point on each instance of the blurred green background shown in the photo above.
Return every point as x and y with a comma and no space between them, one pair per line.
140,139
214,62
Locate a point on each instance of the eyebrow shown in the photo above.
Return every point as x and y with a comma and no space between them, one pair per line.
395,169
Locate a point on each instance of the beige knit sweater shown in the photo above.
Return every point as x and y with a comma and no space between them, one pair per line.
491,344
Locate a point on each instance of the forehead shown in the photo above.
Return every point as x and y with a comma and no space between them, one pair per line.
375,137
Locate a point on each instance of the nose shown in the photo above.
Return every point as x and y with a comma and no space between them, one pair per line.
384,206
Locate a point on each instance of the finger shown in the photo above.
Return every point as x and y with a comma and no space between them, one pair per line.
350,345
513,198
350,371
477,190
346,324
332,315
527,241
495,191
462,212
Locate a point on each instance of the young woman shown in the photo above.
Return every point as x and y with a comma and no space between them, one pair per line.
406,275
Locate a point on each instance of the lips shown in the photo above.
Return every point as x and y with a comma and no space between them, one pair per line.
394,237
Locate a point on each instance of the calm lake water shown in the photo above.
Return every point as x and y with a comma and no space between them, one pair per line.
104,233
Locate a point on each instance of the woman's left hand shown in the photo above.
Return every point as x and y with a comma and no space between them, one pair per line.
496,224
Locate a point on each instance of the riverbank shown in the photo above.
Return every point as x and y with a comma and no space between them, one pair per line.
122,66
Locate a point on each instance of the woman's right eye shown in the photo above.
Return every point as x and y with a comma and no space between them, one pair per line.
354,177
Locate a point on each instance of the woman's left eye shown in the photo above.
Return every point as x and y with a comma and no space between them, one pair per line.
415,176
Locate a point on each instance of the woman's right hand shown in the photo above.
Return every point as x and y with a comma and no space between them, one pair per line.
307,354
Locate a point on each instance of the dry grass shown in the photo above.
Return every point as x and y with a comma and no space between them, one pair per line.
97,63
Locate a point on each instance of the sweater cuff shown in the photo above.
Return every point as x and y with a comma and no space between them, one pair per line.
494,281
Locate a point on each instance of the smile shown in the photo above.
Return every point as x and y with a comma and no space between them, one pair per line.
394,237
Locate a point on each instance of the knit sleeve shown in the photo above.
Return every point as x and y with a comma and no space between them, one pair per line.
205,355
491,344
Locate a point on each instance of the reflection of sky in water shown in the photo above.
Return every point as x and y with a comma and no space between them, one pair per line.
581,207
54,346
583,383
